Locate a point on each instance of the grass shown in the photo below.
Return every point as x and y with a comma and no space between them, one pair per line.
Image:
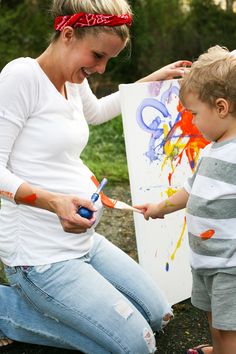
105,152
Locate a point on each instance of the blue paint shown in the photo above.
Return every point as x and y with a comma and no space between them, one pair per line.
155,128
85,212
192,165
167,266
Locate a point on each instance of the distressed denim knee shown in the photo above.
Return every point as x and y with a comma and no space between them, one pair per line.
135,284
108,319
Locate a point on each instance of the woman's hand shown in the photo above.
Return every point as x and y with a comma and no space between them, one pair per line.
63,205
170,71
66,207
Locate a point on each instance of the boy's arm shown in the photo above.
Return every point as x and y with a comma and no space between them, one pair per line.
176,202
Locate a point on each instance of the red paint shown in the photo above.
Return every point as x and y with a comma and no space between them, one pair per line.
207,234
195,139
29,199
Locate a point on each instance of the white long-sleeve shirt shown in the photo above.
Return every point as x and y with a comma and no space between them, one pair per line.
42,135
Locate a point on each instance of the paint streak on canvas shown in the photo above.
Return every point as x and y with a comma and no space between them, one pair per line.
179,240
172,135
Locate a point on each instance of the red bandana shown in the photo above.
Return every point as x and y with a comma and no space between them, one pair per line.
83,19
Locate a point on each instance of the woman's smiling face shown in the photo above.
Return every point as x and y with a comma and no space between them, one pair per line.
89,54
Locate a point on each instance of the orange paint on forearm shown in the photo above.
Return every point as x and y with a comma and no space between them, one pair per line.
29,199
6,194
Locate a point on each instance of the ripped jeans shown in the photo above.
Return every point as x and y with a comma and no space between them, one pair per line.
101,303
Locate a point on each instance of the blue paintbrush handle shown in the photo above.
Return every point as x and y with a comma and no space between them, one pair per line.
85,212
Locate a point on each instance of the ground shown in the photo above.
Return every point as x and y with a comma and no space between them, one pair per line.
189,326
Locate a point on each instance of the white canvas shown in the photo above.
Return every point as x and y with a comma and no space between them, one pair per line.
149,112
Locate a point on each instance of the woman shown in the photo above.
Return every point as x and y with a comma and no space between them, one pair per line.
68,285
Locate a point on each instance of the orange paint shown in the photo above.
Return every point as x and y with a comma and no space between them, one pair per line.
207,234
6,194
110,203
29,199
189,142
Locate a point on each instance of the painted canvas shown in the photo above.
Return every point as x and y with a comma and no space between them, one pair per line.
162,147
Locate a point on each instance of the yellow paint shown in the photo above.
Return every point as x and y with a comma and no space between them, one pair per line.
172,151
179,241
165,130
170,191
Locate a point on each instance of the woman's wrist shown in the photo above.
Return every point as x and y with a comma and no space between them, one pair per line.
46,200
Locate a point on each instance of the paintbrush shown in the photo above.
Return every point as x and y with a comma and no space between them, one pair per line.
117,204
107,201
124,206
85,212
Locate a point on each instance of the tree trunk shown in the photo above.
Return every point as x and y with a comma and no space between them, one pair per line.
230,5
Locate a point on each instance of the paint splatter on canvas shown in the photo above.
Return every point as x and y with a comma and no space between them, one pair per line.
172,132
163,147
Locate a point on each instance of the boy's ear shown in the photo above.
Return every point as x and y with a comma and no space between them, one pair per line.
222,107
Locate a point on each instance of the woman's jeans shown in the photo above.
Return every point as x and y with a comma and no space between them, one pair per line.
101,303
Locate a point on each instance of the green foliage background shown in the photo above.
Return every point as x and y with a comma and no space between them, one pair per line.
163,31
105,153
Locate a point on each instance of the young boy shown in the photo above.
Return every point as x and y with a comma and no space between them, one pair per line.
208,90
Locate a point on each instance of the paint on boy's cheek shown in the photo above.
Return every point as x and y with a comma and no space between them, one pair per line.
29,199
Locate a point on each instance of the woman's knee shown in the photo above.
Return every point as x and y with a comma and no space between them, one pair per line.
166,319
159,316
143,341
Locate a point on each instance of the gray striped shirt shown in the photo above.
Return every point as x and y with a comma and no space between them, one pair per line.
211,208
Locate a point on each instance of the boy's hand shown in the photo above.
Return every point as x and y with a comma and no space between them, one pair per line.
176,202
154,211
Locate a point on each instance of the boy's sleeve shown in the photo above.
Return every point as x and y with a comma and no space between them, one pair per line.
189,182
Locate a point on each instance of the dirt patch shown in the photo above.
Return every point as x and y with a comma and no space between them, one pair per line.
189,326
118,225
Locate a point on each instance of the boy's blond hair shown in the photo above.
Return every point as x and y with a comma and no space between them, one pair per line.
212,76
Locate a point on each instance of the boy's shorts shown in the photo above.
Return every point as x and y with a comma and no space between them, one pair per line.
216,294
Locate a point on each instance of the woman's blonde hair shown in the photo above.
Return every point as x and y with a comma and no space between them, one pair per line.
212,76
111,7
